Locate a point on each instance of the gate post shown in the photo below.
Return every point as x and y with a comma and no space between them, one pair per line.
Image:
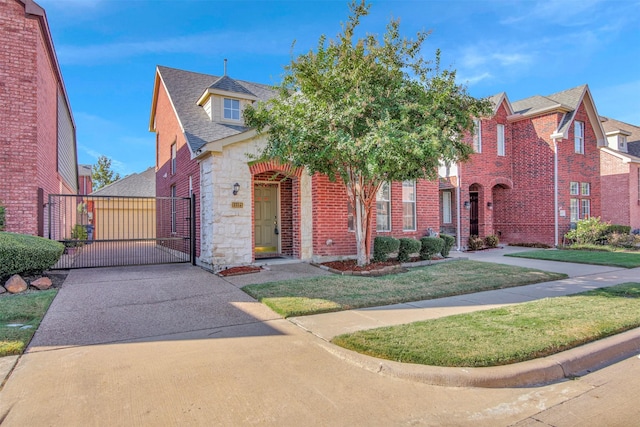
192,230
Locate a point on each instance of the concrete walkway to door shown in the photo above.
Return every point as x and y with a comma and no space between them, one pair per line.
175,345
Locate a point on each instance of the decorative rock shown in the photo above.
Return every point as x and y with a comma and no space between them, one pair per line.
16,284
42,283
2,290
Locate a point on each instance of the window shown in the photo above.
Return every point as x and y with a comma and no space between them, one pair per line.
173,209
574,188
351,222
501,147
408,205
173,158
477,136
575,214
578,133
585,189
446,207
231,109
622,140
383,208
586,208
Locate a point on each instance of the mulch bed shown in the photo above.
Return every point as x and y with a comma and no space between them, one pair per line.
57,279
236,271
350,267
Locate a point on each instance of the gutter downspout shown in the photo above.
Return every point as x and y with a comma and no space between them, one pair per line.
458,208
555,190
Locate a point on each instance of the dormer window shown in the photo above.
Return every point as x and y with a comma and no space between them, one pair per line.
231,109
622,141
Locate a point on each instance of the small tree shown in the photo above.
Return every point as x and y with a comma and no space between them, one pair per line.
101,173
367,111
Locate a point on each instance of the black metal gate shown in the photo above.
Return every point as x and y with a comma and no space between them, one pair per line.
104,231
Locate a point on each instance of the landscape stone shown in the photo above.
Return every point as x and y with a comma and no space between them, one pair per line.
2,290
42,283
16,284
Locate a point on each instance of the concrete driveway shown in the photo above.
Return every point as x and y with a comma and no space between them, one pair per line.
175,345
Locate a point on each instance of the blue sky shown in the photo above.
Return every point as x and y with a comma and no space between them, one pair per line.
108,51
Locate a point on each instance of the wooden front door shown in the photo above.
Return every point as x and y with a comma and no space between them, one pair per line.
266,227
473,214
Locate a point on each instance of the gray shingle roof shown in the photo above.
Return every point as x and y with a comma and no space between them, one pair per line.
186,87
633,140
141,184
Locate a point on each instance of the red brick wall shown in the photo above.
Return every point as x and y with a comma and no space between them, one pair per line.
168,132
28,143
616,193
634,196
330,213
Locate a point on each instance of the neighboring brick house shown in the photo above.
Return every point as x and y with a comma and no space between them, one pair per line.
247,209
85,181
535,170
38,141
620,173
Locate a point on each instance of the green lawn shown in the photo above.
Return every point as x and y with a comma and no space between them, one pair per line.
20,316
505,335
614,259
335,293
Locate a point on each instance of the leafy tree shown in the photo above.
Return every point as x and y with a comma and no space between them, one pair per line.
367,111
101,173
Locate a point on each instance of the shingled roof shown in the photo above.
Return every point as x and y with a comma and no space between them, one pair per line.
185,88
141,184
633,139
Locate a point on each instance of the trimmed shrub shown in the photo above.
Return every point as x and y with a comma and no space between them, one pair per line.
21,253
383,246
2,218
588,231
430,246
616,228
531,245
491,241
407,247
448,242
475,243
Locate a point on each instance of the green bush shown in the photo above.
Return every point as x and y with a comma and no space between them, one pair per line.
20,253
408,247
383,246
491,241
590,231
616,228
475,243
531,245
430,246
448,242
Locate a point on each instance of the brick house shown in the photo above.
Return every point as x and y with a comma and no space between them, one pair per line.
248,209
620,173
535,170
38,141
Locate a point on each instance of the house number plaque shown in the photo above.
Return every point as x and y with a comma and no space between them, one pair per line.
237,205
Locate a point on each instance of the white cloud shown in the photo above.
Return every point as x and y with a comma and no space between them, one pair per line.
471,80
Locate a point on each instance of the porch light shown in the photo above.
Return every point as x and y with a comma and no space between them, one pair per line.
489,205
467,205
236,188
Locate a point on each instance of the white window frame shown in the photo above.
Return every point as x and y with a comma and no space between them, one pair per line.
232,110
383,208
501,143
578,134
585,189
446,207
585,208
574,188
574,208
174,210
405,203
174,154
477,135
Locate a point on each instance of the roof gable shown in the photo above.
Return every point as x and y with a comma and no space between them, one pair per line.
141,184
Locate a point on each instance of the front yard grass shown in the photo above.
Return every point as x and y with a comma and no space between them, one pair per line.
20,316
335,293
614,259
505,335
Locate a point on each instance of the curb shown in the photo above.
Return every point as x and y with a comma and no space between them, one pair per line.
564,365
